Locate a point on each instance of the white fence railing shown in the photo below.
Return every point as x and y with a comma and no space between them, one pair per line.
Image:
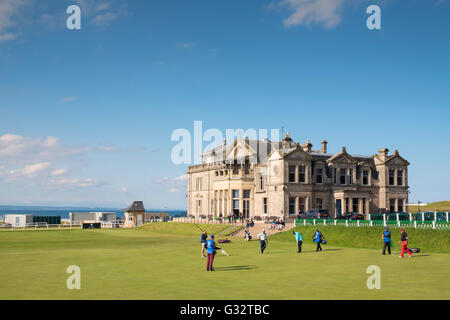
40,226
439,225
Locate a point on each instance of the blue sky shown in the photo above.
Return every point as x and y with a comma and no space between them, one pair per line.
86,115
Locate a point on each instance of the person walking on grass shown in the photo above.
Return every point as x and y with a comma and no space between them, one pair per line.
318,237
386,236
211,251
404,242
247,235
203,239
263,240
299,239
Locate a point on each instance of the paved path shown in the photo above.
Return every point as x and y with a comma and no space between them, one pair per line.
260,226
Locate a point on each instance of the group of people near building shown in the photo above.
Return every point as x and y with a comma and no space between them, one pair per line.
277,223
318,238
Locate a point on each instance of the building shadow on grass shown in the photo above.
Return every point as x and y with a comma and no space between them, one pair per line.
421,255
234,268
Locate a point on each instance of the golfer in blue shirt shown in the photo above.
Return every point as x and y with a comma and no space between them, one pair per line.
299,239
386,240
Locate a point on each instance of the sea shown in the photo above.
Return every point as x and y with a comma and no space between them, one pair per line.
63,212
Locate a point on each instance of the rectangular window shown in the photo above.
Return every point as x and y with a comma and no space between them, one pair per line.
246,194
392,205
291,205
335,176
199,206
391,177
319,176
301,174
347,208
365,181
399,178
355,205
342,176
265,205
400,205
364,210
198,184
235,194
291,173
350,176
319,203
235,168
261,182
301,204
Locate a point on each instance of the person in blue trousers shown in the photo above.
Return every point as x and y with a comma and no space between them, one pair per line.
263,240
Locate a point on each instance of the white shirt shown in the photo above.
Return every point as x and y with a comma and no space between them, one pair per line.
262,236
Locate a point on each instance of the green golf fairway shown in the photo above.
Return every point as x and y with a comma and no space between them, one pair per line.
162,261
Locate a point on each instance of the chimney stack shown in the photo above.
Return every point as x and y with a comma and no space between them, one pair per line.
324,146
383,153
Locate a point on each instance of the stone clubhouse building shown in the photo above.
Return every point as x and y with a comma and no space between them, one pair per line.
268,179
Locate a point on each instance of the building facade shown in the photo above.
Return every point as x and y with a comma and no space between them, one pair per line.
264,178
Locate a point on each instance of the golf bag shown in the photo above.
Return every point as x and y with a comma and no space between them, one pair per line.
224,241
324,241
414,250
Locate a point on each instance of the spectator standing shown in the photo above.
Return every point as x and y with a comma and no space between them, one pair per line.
263,240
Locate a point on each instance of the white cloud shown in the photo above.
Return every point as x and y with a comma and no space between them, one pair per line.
308,12
7,37
37,162
59,172
9,12
174,185
186,45
26,149
104,19
66,183
69,99
183,177
102,13
32,170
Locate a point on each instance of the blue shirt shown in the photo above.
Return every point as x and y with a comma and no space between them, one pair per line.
387,236
210,246
317,237
298,237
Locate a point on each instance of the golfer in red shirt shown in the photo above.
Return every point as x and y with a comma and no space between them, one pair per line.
404,241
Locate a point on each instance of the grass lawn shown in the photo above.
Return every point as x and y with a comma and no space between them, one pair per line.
441,206
154,262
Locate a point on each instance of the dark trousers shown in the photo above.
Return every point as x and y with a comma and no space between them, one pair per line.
319,248
388,246
209,262
263,245
299,244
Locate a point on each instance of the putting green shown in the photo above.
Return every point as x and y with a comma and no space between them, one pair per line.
152,263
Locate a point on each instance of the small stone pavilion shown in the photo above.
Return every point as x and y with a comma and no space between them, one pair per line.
135,215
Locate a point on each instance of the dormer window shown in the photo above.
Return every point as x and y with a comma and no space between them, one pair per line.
365,178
